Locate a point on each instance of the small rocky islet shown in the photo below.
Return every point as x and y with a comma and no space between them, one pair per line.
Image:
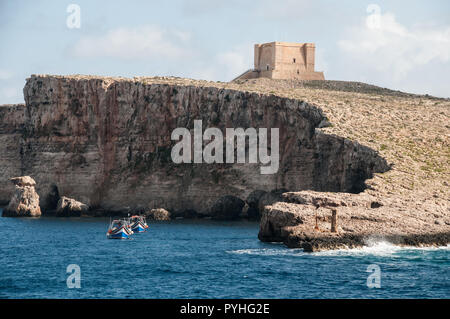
104,143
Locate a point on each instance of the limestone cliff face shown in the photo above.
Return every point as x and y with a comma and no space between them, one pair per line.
107,142
11,130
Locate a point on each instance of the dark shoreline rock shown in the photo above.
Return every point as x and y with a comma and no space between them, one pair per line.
253,204
349,241
227,208
69,207
51,202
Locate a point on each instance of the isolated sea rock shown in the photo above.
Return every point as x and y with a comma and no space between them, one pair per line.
227,208
69,207
23,181
158,214
25,200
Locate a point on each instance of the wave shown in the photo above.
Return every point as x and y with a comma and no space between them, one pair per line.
268,251
375,248
378,248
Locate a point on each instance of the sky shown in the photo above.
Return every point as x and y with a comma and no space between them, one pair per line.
402,45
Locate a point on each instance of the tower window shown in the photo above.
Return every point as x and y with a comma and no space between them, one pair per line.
267,67
293,60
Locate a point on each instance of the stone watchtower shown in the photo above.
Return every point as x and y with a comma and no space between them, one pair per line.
283,60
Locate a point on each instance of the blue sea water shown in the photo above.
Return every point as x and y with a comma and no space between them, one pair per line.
202,259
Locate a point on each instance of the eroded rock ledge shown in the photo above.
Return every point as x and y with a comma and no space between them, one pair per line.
360,218
107,142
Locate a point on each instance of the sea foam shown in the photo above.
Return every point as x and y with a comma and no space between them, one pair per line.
376,248
380,248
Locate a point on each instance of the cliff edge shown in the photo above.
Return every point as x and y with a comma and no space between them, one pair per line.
107,143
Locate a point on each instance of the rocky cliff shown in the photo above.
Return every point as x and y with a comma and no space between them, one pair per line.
11,137
107,142
408,205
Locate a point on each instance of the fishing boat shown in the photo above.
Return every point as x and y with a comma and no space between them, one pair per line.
138,224
119,229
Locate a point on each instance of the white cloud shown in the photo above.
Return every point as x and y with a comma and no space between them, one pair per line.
227,65
233,63
390,49
283,9
11,94
321,64
201,7
5,75
132,43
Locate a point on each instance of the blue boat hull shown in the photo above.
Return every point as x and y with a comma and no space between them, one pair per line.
119,234
138,229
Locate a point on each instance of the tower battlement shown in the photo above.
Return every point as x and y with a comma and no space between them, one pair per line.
284,60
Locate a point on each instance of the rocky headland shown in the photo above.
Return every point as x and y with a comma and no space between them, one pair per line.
305,220
377,159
